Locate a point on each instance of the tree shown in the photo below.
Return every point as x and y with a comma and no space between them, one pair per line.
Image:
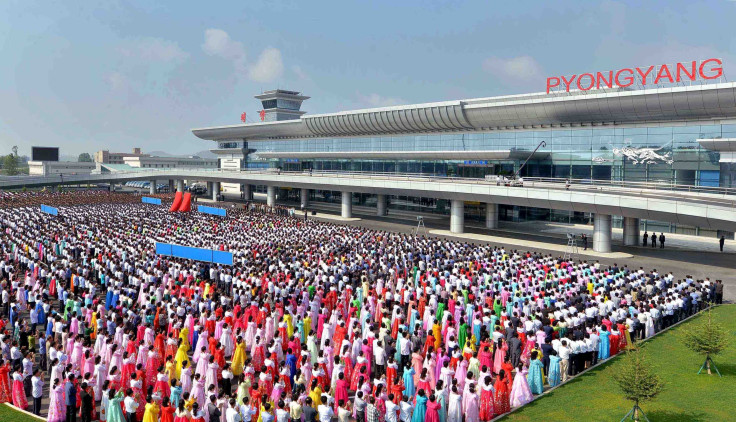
708,338
637,381
85,158
10,165
15,150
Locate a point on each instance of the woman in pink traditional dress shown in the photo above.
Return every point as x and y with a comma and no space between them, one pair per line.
521,394
471,407
341,389
501,349
433,410
5,389
153,363
57,409
19,394
88,364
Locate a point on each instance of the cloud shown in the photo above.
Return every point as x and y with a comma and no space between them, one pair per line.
302,75
514,70
218,43
376,100
154,50
268,67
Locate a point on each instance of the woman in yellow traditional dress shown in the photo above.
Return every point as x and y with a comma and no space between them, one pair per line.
181,356
184,337
152,409
289,326
238,358
307,325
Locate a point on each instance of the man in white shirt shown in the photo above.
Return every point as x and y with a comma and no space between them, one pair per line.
325,412
37,391
392,409
405,411
564,353
379,353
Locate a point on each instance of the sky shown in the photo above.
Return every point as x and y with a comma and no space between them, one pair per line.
115,75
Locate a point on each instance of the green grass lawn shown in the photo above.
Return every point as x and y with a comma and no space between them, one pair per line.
687,397
8,414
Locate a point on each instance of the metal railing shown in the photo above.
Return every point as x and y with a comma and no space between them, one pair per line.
540,182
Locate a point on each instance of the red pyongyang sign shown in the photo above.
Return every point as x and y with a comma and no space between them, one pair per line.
680,72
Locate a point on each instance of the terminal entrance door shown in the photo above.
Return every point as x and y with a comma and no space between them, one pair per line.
475,171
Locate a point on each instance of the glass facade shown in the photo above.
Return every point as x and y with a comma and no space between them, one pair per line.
657,153
660,153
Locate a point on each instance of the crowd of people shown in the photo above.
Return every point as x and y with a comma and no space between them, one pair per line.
314,321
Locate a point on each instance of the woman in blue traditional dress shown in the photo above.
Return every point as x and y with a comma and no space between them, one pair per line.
603,343
409,380
534,377
420,410
554,371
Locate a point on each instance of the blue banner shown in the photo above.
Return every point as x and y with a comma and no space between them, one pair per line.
212,210
222,257
152,201
196,254
49,210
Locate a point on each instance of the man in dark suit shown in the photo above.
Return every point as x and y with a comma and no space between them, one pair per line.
87,404
661,240
722,241
547,351
646,237
70,394
212,410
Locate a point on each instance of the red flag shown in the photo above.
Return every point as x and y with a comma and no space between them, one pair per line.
262,113
242,117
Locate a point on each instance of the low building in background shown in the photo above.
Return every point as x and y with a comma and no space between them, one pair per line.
107,157
50,168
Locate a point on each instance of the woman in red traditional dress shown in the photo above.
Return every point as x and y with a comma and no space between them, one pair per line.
501,399
615,341
19,394
486,400
259,356
359,371
5,389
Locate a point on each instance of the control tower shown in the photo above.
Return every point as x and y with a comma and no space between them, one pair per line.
280,104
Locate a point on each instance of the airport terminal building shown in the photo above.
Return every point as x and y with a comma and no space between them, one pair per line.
683,135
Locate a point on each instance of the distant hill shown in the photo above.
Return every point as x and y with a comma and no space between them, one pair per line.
205,154
159,153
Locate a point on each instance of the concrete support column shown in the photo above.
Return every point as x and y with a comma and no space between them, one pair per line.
210,187
247,192
631,231
171,185
215,190
457,216
491,216
180,185
381,205
347,204
602,232
271,195
112,187
152,188
304,198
